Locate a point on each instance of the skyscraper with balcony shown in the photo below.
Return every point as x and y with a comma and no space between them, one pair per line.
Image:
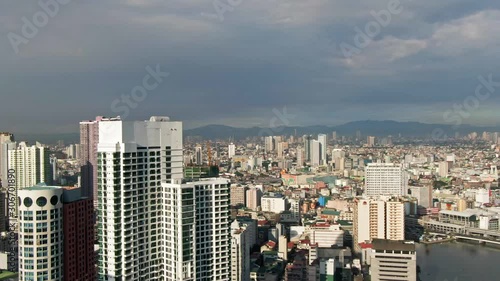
41,233
31,165
385,179
382,219
89,138
153,224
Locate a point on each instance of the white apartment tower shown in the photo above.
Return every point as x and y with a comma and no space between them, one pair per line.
41,233
199,156
152,224
322,138
231,150
243,238
315,153
385,179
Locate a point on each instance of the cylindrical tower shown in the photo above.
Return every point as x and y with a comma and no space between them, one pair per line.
41,233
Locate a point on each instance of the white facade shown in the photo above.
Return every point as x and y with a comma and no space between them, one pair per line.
243,238
323,141
41,233
198,156
134,160
31,163
385,179
152,226
326,237
273,204
232,150
315,153
482,196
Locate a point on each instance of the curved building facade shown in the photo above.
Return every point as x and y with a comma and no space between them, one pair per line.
41,233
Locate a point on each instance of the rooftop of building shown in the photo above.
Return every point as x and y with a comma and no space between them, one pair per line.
393,245
40,187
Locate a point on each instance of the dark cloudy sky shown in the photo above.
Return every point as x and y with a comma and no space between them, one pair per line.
265,54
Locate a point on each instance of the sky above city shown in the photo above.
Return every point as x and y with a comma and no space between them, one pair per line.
243,62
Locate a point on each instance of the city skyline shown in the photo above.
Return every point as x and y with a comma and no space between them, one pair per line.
426,60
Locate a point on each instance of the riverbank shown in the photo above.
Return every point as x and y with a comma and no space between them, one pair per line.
457,261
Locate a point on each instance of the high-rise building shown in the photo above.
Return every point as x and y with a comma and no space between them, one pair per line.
385,179
153,224
243,238
198,155
281,148
315,153
393,260
238,194
423,195
300,157
307,147
269,143
41,233
383,219
5,138
334,135
370,142
323,141
197,214
443,169
254,196
89,138
79,236
231,150
31,165
134,160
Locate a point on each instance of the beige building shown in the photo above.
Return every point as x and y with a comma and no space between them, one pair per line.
237,194
393,260
382,219
254,196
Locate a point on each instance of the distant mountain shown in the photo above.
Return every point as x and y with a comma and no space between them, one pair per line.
372,128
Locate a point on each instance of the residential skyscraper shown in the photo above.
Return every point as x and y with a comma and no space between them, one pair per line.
198,155
31,165
370,141
79,236
5,138
134,160
269,143
153,224
41,233
243,238
307,147
89,138
231,150
385,179
383,219
323,140
254,196
315,153
238,194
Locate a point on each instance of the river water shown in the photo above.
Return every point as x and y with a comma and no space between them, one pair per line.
458,262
